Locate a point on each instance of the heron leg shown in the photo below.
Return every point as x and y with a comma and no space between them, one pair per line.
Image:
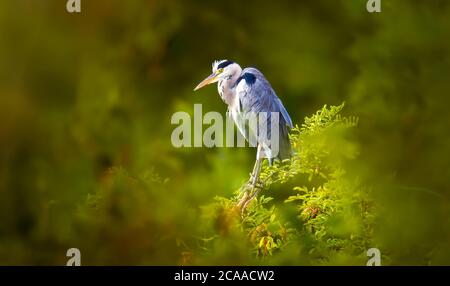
253,186
256,171
247,188
256,185
249,184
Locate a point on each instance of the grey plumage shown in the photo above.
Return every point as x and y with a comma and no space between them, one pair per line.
254,95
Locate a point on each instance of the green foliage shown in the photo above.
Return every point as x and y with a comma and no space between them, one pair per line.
333,210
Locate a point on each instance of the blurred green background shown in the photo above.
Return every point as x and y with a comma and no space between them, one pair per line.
86,100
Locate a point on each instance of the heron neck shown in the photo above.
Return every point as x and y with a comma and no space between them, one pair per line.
226,88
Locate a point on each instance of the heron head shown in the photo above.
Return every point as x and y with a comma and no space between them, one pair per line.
220,70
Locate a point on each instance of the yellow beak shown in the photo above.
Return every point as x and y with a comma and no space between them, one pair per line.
210,79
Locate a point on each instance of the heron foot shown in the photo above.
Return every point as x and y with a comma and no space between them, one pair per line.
251,190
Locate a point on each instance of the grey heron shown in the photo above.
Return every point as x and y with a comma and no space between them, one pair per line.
246,91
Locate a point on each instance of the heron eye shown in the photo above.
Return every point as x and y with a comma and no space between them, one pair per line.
220,70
